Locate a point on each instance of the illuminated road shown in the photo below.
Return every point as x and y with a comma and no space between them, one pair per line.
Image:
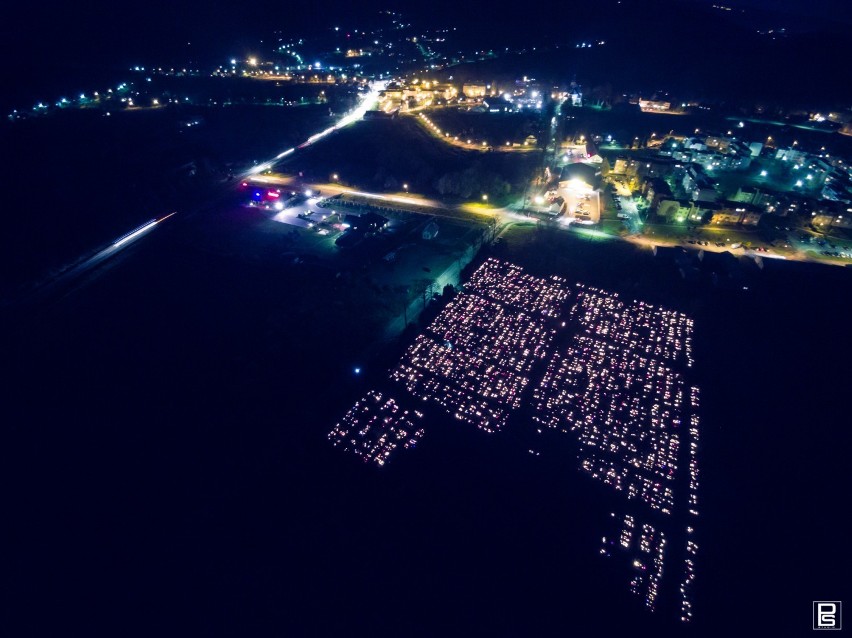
409,203
470,145
367,102
88,264
504,217
329,189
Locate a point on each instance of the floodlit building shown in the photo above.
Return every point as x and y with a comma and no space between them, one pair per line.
475,90
791,155
737,214
654,105
575,95
444,91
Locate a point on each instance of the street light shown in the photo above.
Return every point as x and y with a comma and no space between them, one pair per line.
334,177
485,198
405,187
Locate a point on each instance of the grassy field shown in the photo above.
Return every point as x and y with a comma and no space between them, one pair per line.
383,156
381,280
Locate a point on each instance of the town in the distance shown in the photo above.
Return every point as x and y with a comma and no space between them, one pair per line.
650,166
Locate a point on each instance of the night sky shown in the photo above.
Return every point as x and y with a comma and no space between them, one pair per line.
37,33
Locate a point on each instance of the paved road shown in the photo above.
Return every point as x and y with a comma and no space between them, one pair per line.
67,277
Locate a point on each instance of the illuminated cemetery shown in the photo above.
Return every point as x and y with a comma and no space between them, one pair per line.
609,372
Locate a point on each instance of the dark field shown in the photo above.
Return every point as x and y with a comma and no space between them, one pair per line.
773,408
78,179
168,421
